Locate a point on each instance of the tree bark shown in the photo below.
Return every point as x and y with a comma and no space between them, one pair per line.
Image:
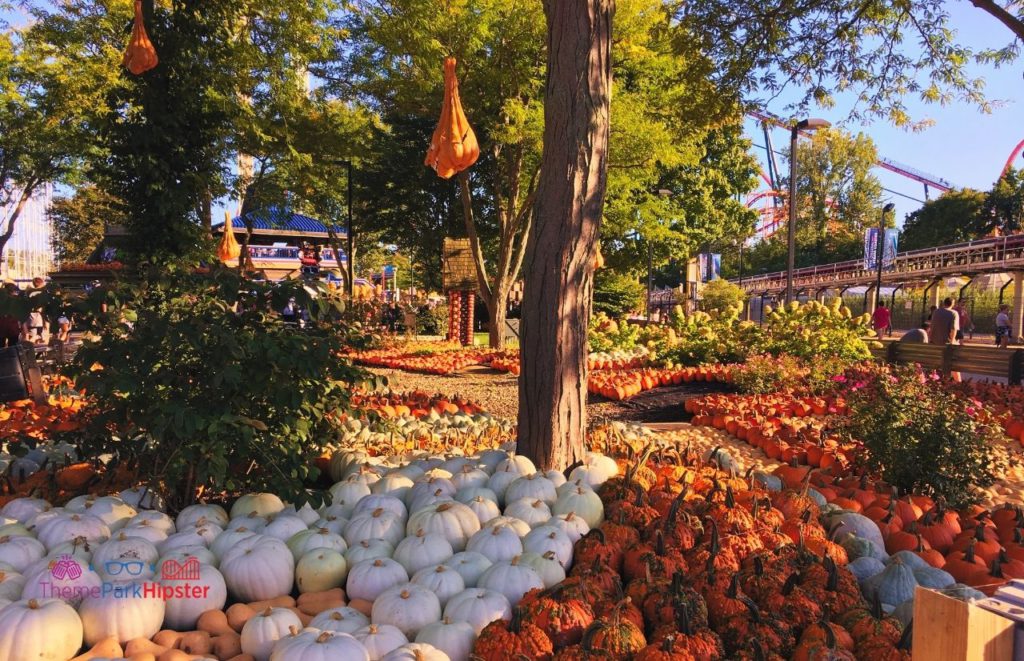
563,238
1001,14
498,311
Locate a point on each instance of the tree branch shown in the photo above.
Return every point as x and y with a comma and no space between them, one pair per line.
474,239
26,195
1002,15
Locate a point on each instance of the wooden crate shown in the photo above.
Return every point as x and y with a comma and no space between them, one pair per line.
947,629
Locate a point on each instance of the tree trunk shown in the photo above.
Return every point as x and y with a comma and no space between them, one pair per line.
563,238
26,194
497,309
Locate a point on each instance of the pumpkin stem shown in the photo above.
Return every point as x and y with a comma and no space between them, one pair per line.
907,639
755,612
876,607
730,498
997,568
733,590
790,584
969,552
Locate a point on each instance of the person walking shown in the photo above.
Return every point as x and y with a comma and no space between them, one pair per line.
945,324
881,319
1003,329
917,335
966,325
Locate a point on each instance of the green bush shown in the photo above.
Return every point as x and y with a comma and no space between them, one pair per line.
196,378
432,321
814,331
919,435
617,295
721,295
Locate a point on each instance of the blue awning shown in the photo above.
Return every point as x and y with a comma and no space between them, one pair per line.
279,219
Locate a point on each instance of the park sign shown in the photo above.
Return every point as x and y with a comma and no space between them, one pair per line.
888,249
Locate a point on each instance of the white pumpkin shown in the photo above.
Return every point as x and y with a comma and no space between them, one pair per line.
533,512
344,462
110,509
470,477
379,639
68,578
422,550
489,459
469,493
452,520
124,558
453,638
24,509
228,540
283,527
573,525
143,498
258,567
42,517
39,630
330,523
69,526
442,580
511,578
429,486
302,542
123,610
262,631
378,524
147,530
12,528
496,543
200,536
596,470
368,549
478,607
393,484
378,501
584,502
193,514
409,607
546,565
306,513
188,596
11,585
369,578
320,569
348,492
516,463
257,504
416,652
546,538
254,523
20,551
340,620
557,477
423,501
500,481
484,508
456,464
521,527
314,645
533,486
470,565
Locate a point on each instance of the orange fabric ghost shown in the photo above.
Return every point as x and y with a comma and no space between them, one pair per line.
228,248
453,147
140,56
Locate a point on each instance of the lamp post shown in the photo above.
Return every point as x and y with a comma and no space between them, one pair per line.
802,125
881,252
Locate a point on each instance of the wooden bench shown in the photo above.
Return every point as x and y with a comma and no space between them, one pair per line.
971,359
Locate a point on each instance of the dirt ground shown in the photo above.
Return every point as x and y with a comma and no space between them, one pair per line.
498,393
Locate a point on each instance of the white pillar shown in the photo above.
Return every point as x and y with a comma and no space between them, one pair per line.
1017,314
871,294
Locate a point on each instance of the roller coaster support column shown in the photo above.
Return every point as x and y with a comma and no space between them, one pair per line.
819,295
931,296
1017,314
870,297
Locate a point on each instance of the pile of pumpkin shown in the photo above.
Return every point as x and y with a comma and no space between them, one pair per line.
785,427
623,384
616,359
417,404
414,556
436,358
692,563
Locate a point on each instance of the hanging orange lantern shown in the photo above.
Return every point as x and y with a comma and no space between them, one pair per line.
599,259
140,56
228,248
453,147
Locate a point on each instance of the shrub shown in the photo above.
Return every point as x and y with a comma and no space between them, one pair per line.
721,295
203,395
813,331
617,295
764,374
919,435
715,337
606,334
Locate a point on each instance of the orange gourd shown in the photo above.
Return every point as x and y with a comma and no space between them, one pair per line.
140,56
453,147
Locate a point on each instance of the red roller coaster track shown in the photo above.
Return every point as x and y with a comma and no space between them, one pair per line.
1013,157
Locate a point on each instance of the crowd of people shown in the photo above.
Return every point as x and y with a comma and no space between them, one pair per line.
36,328
945,324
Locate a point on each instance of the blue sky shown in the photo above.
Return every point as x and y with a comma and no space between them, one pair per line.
964,146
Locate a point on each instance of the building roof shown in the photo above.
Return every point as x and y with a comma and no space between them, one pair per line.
280,221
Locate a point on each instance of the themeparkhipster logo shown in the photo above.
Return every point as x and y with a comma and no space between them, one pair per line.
127,582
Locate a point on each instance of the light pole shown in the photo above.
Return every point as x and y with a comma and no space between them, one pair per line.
881,252
802,125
